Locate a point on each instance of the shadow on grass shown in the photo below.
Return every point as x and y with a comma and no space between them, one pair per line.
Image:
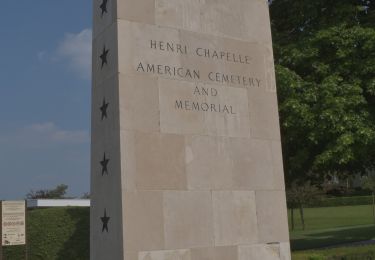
77,247
325,238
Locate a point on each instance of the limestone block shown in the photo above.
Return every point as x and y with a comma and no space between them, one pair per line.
144,225
109,152
277,158
188,108
209,170
272,216
215,253
128,161
105,123
142,11
231,163
260,172
139,103
217,17
165,255
170,53
188,219
261,252
159,161
131,255
103,241
264,116
103,17
270,68
105,55
235,219
285,251
134,41
172,118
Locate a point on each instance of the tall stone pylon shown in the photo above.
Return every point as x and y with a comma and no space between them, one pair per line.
186,160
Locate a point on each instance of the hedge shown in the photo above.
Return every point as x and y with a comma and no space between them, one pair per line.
340,201
55,234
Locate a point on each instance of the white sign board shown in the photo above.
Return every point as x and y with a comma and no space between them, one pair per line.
13,224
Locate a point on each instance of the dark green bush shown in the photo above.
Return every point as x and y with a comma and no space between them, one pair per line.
55,234
340,201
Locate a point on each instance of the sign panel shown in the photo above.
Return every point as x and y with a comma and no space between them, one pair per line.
13,224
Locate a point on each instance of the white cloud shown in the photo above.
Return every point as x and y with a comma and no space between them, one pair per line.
50,132
76,50
47,133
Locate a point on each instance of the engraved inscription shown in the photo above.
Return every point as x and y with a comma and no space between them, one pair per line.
194,108
168,70
195,73
189,56
203,80
204,106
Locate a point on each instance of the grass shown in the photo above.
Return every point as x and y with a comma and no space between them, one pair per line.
328,237
342,253
55,233
332,226
331,217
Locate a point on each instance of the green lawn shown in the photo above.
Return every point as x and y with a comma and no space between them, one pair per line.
342,253
332,226
331,217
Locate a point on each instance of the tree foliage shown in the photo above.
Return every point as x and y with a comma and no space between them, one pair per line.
300,195
56,193
325,56
295,20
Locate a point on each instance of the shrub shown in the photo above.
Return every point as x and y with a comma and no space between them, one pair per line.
340,201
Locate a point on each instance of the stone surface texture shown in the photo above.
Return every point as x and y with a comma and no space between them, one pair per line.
191,132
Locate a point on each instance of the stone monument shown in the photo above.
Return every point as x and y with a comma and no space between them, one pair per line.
186,158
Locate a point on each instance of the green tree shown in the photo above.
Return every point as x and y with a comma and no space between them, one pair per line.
294,20
370,185
325,56
57,193
86,195
298,196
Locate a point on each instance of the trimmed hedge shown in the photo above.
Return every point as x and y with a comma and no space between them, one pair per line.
55,234
340,201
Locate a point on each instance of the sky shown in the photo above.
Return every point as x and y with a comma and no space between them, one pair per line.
45,91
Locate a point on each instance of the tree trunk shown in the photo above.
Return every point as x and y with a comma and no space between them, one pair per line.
292,217
373,206
302,216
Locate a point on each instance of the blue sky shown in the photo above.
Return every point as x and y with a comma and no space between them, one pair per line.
45,96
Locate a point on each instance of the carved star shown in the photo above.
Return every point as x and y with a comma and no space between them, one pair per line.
104,165
103,109
103,7
105,220
103,57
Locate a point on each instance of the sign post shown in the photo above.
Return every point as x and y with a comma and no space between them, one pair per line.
13,224
1,229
